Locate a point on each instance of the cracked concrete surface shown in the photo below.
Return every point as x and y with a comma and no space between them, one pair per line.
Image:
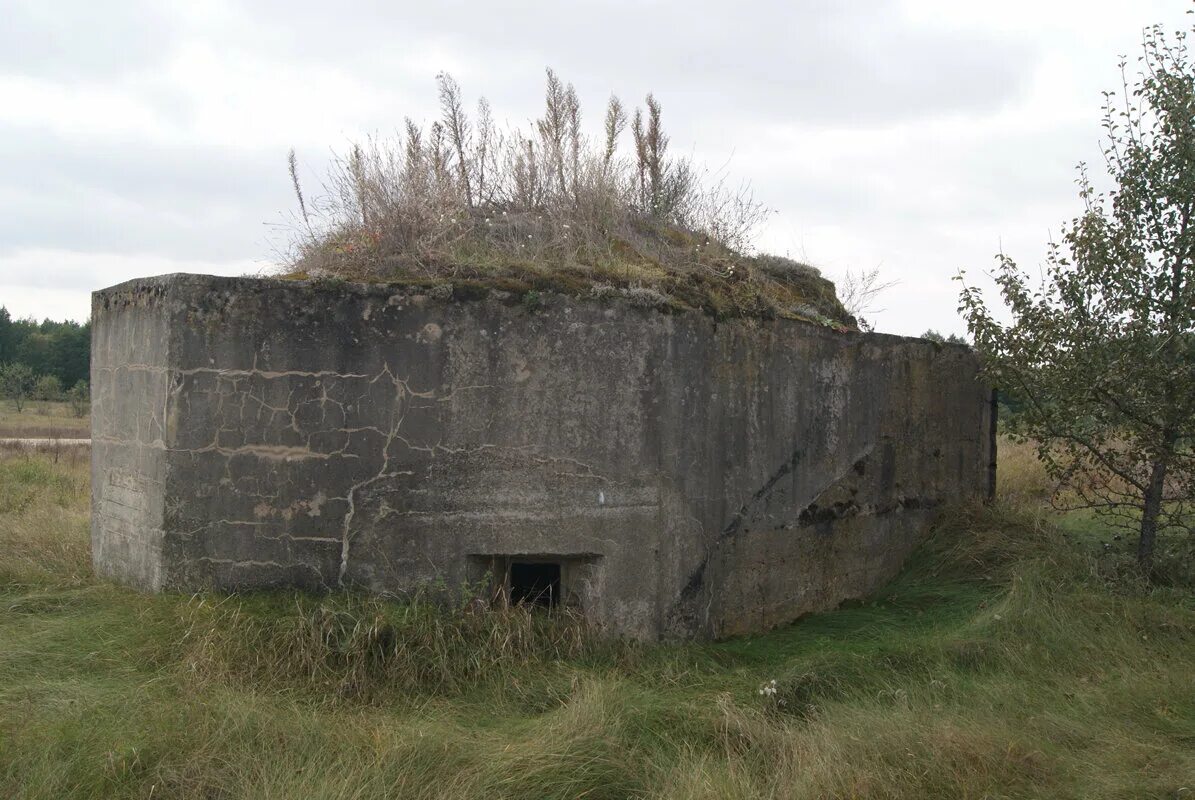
705,478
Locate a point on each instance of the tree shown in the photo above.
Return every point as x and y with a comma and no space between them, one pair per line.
7,336
47,387
70,352
61,349
79,397
16,382
941,338
1102,354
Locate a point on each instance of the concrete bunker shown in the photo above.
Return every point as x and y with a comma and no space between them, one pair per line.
668,474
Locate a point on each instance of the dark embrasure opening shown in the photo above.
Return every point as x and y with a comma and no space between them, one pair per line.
535,583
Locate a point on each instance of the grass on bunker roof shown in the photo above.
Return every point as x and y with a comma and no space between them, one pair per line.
1013,658
472,206
650,264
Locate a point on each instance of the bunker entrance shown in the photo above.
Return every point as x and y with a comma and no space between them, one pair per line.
535,583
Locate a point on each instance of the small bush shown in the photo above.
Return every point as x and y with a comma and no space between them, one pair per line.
79,398
17,381
47,388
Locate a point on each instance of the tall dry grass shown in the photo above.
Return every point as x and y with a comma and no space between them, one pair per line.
371,647
42,419
552,207
43,504
1002,663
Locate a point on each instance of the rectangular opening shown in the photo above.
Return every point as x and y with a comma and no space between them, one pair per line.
535,583
539,580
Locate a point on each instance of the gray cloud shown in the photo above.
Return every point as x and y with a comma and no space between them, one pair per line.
82,40
179,201
151,139
820,62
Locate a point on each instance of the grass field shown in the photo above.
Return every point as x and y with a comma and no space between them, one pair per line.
1015,658
42,419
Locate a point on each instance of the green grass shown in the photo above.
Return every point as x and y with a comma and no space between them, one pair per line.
40,418
1013,658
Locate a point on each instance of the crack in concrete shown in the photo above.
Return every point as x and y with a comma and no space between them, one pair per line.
401,391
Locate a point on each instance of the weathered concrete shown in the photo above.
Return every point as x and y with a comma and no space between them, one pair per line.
692,477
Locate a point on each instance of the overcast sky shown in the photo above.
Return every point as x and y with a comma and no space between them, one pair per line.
138,138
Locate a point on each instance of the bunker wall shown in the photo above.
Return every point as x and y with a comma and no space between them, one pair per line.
129,397
695,477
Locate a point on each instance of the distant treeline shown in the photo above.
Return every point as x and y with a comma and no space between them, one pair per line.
59,349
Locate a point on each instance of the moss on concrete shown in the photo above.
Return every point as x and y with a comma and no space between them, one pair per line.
686,269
